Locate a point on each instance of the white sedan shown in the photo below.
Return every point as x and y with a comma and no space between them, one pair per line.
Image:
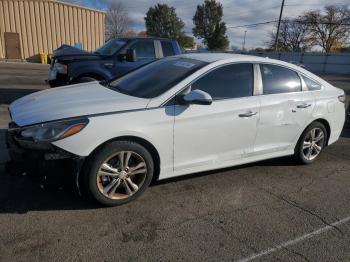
177,116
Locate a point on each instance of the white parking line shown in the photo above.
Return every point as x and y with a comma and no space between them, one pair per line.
295,241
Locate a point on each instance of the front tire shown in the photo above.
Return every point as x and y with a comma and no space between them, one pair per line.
311,143
119,173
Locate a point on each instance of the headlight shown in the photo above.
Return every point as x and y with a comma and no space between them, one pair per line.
54,131
61,68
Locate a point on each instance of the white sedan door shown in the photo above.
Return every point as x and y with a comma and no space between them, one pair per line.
285,109
214,135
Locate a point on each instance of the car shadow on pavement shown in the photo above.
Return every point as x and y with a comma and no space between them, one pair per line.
281,161
21,193
346,130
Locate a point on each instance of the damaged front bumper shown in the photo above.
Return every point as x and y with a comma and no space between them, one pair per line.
42,160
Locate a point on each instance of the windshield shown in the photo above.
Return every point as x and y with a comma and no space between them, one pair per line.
156,78
111,47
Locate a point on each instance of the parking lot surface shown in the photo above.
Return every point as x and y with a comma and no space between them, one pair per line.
273,210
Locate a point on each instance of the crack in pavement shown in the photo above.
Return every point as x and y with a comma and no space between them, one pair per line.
242,241
344,157
303,187
297,253
304,209
3,251
204,216
295,241
333,172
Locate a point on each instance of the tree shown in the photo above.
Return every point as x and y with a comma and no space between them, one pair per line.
186,41
293,36
118,22
209,26
162,21
129,33
142,34
345,49
329,28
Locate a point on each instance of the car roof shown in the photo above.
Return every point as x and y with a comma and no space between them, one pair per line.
213,57
229,57
144,37
223,58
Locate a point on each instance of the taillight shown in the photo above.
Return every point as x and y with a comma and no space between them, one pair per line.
342,98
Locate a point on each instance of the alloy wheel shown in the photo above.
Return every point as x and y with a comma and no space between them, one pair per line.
121,175
313,143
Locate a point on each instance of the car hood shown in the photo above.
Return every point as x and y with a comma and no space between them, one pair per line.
71,101
69,52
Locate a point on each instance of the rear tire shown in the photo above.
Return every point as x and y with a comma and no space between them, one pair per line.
118,173
311,143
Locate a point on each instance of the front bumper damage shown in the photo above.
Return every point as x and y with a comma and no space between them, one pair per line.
43,161
61,80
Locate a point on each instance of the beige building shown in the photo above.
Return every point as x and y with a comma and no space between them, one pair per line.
31,27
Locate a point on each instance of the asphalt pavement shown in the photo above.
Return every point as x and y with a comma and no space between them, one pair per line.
272,210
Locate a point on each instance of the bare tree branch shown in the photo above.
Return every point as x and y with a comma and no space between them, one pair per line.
118,21
294,36
329,28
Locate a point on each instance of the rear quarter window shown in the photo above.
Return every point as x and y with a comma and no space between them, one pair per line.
278,79
311,84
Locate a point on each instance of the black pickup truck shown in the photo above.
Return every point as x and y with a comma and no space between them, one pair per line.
115,58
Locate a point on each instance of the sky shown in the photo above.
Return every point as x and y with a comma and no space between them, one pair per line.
236,13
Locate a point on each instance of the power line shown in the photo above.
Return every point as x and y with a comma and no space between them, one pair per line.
284,20
255,24
315,4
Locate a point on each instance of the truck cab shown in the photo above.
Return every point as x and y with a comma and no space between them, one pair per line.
115,58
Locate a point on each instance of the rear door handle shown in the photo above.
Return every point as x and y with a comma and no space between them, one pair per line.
303,105
248,114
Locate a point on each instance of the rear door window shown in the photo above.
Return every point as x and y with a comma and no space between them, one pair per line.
277,79
167,48
144,49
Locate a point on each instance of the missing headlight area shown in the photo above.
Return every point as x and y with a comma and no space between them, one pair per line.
42,161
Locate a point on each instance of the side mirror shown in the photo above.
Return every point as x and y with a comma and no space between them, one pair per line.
130,55
197,97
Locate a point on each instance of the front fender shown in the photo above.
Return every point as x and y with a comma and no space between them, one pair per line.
77,70
77,143
152,125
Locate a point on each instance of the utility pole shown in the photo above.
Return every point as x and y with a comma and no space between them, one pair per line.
243,44
278,27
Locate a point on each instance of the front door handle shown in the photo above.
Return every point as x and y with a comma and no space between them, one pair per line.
248,114
303,105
